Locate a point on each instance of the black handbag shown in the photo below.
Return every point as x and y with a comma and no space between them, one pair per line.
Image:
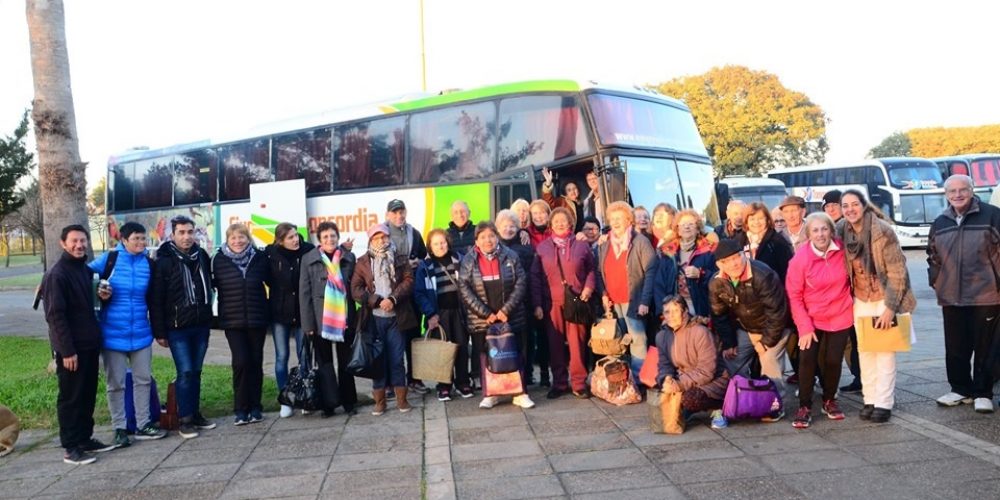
366,355
575,309
300,390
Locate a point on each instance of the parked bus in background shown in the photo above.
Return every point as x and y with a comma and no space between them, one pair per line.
765,190
485,146
983,168
910,191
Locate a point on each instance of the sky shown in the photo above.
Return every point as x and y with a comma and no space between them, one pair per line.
158,73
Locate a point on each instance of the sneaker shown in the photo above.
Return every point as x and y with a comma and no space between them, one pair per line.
121,439
256,416
852,388
444,395
200,422
488,402
465,392
524,401
984,405
286,411
241,419
418,387
149,432
866,412
75,456
390,393
832,410
953,399
803,418
718,420
95,446
187,430
305,412
775,416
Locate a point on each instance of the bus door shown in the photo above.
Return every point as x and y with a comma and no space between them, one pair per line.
877,194
613,179
511,185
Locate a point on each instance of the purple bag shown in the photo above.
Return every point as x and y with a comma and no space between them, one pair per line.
750,398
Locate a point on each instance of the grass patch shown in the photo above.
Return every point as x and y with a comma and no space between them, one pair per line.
22,282
18,260
30,392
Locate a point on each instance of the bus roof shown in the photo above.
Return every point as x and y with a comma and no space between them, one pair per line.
408,102
873,162
741,181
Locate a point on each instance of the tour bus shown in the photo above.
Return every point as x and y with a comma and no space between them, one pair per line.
983,168
485,146
765,190
910,191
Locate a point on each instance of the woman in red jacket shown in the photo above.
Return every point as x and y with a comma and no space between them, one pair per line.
819,294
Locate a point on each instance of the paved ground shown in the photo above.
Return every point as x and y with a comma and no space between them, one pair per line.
561,448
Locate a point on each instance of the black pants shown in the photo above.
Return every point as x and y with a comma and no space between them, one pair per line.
853,361
827,352
247,348
453,323
77,394
538,349
324,354
969,334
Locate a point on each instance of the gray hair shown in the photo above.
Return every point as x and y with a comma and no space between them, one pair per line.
959,177
509,215
462,204
821,217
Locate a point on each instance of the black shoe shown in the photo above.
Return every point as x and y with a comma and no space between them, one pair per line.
201,422
545,383
444,395
866,412
584,394
187,430
256,416
852,388
465,392
75,456
555,393
95,446
121,439
149,432
881,415
327,413
350,410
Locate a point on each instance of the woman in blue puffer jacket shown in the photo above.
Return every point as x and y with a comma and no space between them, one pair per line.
127,334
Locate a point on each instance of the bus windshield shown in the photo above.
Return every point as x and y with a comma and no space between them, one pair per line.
626,121
769,196
914,175
920,208
655,180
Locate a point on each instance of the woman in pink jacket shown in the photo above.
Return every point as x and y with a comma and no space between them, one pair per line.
819,294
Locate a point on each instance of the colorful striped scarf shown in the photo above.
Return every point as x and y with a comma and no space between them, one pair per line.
334,300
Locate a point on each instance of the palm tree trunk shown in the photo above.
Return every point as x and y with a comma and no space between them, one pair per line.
62,176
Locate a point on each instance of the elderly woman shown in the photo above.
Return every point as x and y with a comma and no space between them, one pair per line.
881,285
819,294
538,344
689,363
643,221
522,209
539,229
437,297
328,310
761,241
692,252
563,260
570,200
493,286
662,227
239,273
382,285
626,264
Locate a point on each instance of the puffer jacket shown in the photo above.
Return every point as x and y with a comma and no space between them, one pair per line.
758,305
964,257
473,291
171,307
283,283
641,268
242,300
312,290
125,318
819,291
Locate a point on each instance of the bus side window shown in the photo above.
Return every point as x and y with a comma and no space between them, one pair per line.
453,143
243,164
369,154
196,177
305,155
124,186
875,176
818,178
959,168
154,182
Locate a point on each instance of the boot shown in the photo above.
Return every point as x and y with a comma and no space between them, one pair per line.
379,395
401,402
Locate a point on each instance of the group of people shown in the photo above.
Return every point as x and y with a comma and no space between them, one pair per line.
764,285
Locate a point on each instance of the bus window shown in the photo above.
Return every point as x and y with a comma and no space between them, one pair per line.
154,182
817,178
369,154
124,186
986,172
636,122
854,175
875,176
958,168
195,177
305,155
537,130
243,164
453,143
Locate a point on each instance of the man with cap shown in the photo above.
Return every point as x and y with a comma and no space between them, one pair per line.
750,313
794,210
831,205
407,242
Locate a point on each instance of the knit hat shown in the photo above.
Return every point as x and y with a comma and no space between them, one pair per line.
725,248
832,196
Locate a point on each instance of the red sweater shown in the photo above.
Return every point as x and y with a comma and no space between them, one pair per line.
819,291
616,277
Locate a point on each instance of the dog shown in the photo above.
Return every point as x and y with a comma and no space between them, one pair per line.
10,429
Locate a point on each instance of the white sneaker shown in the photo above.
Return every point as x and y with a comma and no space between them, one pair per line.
953,399
306,412
489,402
524,401
286,411
984,405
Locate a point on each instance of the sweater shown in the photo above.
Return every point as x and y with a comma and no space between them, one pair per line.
819,292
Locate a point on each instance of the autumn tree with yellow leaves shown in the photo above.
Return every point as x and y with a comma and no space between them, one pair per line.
941,141
750,122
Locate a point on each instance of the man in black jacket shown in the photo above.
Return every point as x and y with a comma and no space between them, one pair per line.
750,313
180,310
68,292
460,230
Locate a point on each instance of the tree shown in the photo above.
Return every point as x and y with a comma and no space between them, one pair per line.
29,217
63,183
96,214
15,163
897,144
750,122
941,141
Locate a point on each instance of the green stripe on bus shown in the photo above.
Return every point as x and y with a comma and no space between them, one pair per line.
495,90
477,196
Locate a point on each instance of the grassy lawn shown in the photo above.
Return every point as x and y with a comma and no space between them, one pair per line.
18,260
22,282
30,392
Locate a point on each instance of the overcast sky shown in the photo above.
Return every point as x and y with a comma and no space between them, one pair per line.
156,73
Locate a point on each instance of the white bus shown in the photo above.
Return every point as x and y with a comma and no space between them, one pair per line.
910,191
768,191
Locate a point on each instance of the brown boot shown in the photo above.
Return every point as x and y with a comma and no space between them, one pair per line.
401,402
379,401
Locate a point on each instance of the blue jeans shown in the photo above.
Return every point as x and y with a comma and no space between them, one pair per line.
282,332
188,347
393,351
636,327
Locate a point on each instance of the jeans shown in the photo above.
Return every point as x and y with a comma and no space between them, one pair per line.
282,332
247,348
188,347
393,351
116,363
636,327
76,399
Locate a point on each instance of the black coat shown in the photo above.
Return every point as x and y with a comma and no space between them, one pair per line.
460,240
169,305
758,306
283,283
68,294
242,300
775,250
312,290
473,291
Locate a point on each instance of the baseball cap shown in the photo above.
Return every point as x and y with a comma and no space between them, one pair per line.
396,204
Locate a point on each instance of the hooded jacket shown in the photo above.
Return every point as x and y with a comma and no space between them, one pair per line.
125,318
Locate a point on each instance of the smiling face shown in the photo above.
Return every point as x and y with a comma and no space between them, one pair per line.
439,245
560,223
687,227
793,214
396,217
572,192
522,214
75,244
136,243
619,222
328,240
757,222
733,265
486,241
959,193
237,242
459,214
592,181
506,227
642,219
539,216
852,208
820,234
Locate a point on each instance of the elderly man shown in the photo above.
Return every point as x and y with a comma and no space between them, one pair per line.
460,230
964,270
794,210
406,241
732,227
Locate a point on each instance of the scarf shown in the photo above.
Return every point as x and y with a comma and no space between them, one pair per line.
858,245
334,299
754,240
383,260
189,289
242,259
562,242
620,245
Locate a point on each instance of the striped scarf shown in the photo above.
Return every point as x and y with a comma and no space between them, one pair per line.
334,299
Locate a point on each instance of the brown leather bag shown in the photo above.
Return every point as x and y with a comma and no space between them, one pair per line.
169,419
